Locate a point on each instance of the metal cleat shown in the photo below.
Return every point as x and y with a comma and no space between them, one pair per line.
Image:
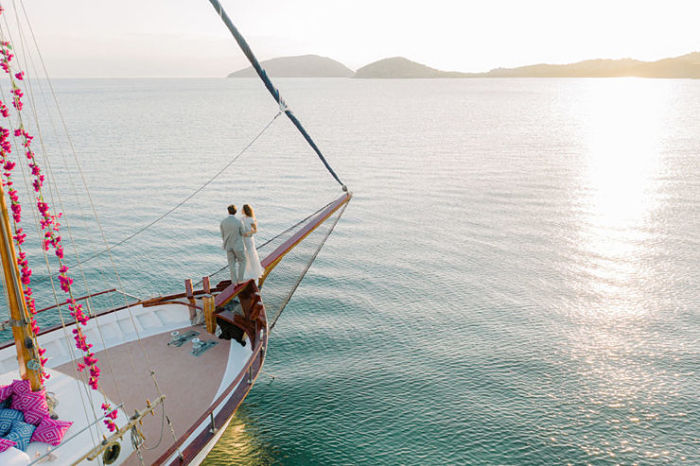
179,339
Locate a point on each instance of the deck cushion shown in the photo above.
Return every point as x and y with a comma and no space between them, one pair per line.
20,387
7,417
21,433
33,405
5,392
51,431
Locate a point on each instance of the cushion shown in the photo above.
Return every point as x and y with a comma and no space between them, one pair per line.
33,405
14,457
5,392
51,431
21,433
7,417
6,444
6,403
21,386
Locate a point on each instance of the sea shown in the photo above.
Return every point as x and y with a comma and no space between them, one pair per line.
515,281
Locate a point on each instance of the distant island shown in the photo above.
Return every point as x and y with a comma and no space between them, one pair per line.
314,66
304,66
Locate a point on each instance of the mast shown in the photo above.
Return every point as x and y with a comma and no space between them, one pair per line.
29,366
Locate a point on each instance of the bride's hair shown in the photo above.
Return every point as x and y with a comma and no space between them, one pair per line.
248,210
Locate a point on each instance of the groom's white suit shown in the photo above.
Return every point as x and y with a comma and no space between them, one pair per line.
232,236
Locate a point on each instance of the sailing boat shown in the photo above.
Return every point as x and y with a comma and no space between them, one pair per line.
146,382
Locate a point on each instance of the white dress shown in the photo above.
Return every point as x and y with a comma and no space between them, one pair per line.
253,268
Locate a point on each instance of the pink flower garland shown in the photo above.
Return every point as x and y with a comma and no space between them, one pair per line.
52,239
19,236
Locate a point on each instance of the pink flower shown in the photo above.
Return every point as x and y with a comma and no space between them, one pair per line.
66,282
20,75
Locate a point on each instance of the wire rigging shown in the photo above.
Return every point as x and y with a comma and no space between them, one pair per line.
271,87
184,201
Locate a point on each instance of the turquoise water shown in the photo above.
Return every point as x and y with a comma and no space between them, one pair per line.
514,282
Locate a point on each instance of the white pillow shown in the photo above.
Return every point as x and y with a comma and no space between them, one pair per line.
14,457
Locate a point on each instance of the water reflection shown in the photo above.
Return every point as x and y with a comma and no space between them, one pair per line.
623,134
240,444
619,391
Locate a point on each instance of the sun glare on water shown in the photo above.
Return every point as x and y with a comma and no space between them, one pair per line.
621,167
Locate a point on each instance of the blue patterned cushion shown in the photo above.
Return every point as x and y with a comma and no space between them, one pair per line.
21,433
5,403
7,417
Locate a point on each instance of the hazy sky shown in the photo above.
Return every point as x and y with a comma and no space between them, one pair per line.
105,38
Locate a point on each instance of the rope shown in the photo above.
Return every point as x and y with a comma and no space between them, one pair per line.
194,193
78,376
55,193
271,87
91,203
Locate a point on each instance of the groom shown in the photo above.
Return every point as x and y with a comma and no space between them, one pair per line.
232,235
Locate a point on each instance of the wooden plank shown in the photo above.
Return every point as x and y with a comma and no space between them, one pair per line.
206,285
209,316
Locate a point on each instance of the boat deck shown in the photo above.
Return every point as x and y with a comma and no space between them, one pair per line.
190,382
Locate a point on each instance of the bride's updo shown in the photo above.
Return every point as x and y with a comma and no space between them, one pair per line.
248,210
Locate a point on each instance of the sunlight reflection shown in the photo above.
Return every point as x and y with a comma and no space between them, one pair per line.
624,143
240,444
623,138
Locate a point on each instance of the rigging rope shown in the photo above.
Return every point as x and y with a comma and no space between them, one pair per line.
55,193
184,201
271,87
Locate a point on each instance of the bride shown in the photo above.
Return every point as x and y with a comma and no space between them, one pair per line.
253,268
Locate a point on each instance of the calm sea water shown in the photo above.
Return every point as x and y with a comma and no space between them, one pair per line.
515,282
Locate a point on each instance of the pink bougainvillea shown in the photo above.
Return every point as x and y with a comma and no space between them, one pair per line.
49,225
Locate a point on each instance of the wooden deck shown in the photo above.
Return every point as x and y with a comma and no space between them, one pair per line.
189,382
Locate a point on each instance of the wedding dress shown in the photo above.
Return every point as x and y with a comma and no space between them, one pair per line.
253,268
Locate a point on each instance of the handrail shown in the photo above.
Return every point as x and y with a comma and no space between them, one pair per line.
4,324
230,292
234,384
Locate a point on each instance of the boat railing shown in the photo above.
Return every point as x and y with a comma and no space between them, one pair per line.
4,325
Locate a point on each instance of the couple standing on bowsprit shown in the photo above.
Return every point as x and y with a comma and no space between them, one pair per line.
239,244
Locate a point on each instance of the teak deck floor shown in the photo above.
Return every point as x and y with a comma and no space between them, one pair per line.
189,382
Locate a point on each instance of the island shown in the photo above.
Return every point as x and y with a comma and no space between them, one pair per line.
304,66
685,66
314,66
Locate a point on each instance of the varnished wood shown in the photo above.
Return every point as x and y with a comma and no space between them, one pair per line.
206,286
272,259
209,316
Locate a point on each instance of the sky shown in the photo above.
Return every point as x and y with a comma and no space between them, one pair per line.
185,38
